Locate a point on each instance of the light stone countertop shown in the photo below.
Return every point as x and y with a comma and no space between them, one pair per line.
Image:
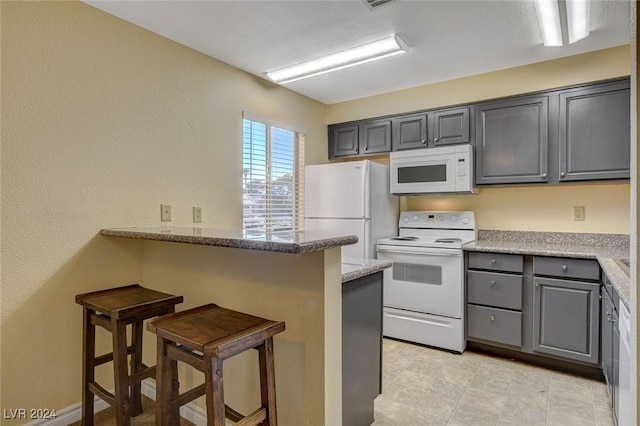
354,268
602,247
283,242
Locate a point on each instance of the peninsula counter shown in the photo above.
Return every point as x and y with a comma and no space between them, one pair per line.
286,276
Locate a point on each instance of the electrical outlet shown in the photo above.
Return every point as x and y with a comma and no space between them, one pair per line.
165,212
197,214
578,212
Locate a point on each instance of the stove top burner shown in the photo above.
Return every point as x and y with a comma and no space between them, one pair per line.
448,240
405,238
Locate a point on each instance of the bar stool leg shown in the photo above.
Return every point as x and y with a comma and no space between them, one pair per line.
88,366
136,367
268,381
166,386
214,391
122,404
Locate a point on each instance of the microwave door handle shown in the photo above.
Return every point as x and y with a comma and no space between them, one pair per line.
423,252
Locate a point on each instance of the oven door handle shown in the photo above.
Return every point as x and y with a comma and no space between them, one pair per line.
457,253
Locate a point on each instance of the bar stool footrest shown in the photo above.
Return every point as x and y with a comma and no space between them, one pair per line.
141,375
107,396
253,419
232,414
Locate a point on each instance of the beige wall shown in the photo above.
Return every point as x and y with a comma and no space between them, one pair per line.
536,208
101,122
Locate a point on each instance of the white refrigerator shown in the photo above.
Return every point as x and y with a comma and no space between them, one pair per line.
351,198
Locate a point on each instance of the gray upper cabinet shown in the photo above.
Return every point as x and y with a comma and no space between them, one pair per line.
368,137
512,139
375,137
451,126
594,132
343,140
410,132
566,319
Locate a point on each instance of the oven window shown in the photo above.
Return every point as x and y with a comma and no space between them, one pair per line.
416,174
423,274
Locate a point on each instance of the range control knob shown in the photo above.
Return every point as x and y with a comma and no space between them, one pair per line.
465,220
405,220
415,217
454,218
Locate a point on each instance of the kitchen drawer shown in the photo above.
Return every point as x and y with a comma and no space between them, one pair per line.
494,289
565,267
495,325
495,261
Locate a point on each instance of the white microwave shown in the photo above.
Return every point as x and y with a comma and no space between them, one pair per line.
441,170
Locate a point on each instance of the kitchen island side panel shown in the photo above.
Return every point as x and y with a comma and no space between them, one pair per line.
304,290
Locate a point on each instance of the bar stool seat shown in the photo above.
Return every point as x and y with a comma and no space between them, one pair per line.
113,309
203,337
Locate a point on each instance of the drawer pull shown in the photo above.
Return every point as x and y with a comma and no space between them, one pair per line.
492,317
565,267
494,261
493,283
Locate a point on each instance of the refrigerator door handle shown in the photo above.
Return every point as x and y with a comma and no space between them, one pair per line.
366,188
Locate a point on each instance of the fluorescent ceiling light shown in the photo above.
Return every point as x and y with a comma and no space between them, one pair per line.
386,47
549,19
577,20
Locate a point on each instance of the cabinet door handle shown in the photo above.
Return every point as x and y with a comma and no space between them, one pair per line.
492,317
537,284
565,267
435,139
562,174
493,261
544,175
423,141
493,283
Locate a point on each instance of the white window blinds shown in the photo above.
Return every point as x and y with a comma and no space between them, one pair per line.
273,175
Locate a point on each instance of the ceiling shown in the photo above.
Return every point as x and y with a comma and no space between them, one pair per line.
448,39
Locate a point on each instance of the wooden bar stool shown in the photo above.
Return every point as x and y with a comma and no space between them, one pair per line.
112,310
204,337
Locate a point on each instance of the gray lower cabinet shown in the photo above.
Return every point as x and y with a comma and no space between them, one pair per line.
512,138
566,319
494,298
595,132
410,132
539,305
361,348
610,341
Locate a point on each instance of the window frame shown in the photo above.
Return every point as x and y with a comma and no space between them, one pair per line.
269,218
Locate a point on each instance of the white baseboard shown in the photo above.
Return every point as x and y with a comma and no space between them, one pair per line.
72,414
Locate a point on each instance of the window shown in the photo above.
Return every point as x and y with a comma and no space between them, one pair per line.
273,175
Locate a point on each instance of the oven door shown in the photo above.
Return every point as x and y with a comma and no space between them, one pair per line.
423,280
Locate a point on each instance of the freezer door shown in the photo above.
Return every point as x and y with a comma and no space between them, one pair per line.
343,227
339,190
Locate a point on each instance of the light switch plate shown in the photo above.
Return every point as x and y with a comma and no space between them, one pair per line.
165,212
197,214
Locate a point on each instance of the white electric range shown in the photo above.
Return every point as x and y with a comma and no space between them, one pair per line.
424,290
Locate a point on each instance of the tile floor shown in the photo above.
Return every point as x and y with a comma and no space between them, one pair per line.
423,386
